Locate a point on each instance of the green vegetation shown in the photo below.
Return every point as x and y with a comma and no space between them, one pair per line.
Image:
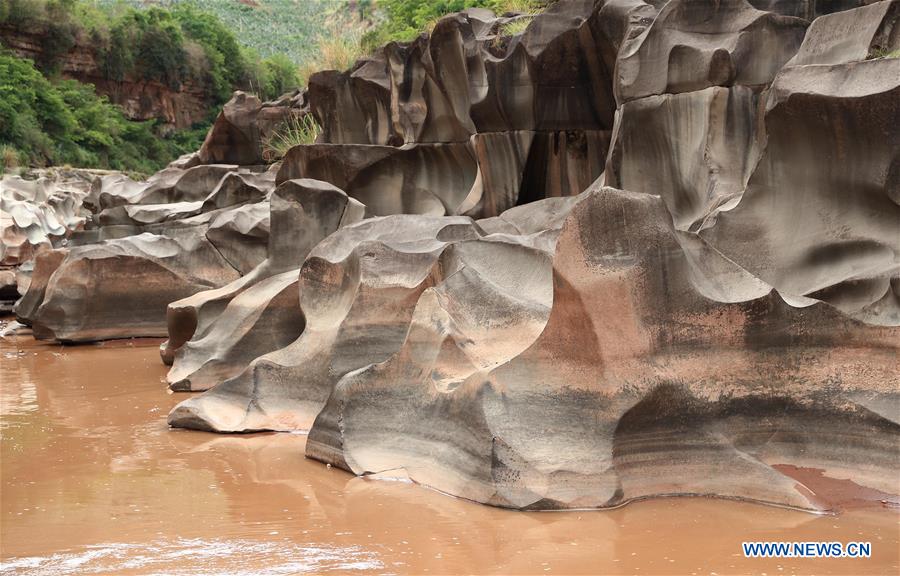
333,52
879,52
45,120
269,27
517,26
172,46
9,158
403,20
293,132
52,123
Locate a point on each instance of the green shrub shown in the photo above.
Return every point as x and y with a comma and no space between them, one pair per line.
279,76
880,52
227,67
517,26
333,52
66,122
406,19
170,46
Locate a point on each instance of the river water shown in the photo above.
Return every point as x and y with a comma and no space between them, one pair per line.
94,482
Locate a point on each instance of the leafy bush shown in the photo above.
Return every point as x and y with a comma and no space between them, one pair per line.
881,52
63,122
278,75
170,46
516,26
66,122
406,19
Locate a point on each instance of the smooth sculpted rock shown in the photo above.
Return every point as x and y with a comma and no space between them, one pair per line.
36,213
302,212
265,316
240,130
467,78
358,291
820,217
215,334
43,267
696,150
481,177
467,120
851,35
120,288
696,44
241,235
636,386
184,230
639,249
8,291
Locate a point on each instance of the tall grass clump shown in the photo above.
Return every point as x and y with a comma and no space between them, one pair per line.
9,159
294,131
334,52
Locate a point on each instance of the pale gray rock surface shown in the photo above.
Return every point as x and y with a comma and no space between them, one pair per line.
180,232
357,291
694,44
38,211
214,334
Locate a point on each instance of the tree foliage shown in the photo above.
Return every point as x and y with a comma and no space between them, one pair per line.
403,20
45,120
66,122
169,45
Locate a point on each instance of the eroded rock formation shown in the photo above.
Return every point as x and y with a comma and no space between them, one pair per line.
641,249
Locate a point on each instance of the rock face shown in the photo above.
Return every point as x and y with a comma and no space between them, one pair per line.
618,397
138,275
146,244
238,134
36,212
214,334
465,122
640,249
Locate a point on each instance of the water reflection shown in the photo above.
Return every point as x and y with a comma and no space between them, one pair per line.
93,481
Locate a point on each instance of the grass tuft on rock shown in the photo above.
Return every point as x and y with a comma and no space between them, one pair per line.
295,131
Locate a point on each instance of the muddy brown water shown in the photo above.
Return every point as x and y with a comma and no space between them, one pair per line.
94,482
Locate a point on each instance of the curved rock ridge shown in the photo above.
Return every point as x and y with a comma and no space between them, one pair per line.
693,45
641,249
145,244
96,285
359,290
466,121
618,397
35,212
215,333
238,134
465,79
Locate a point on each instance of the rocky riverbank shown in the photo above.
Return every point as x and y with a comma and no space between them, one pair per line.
640,249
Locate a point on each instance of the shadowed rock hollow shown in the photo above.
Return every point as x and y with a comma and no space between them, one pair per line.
640,249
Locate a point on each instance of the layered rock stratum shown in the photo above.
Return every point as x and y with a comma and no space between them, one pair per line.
641,249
